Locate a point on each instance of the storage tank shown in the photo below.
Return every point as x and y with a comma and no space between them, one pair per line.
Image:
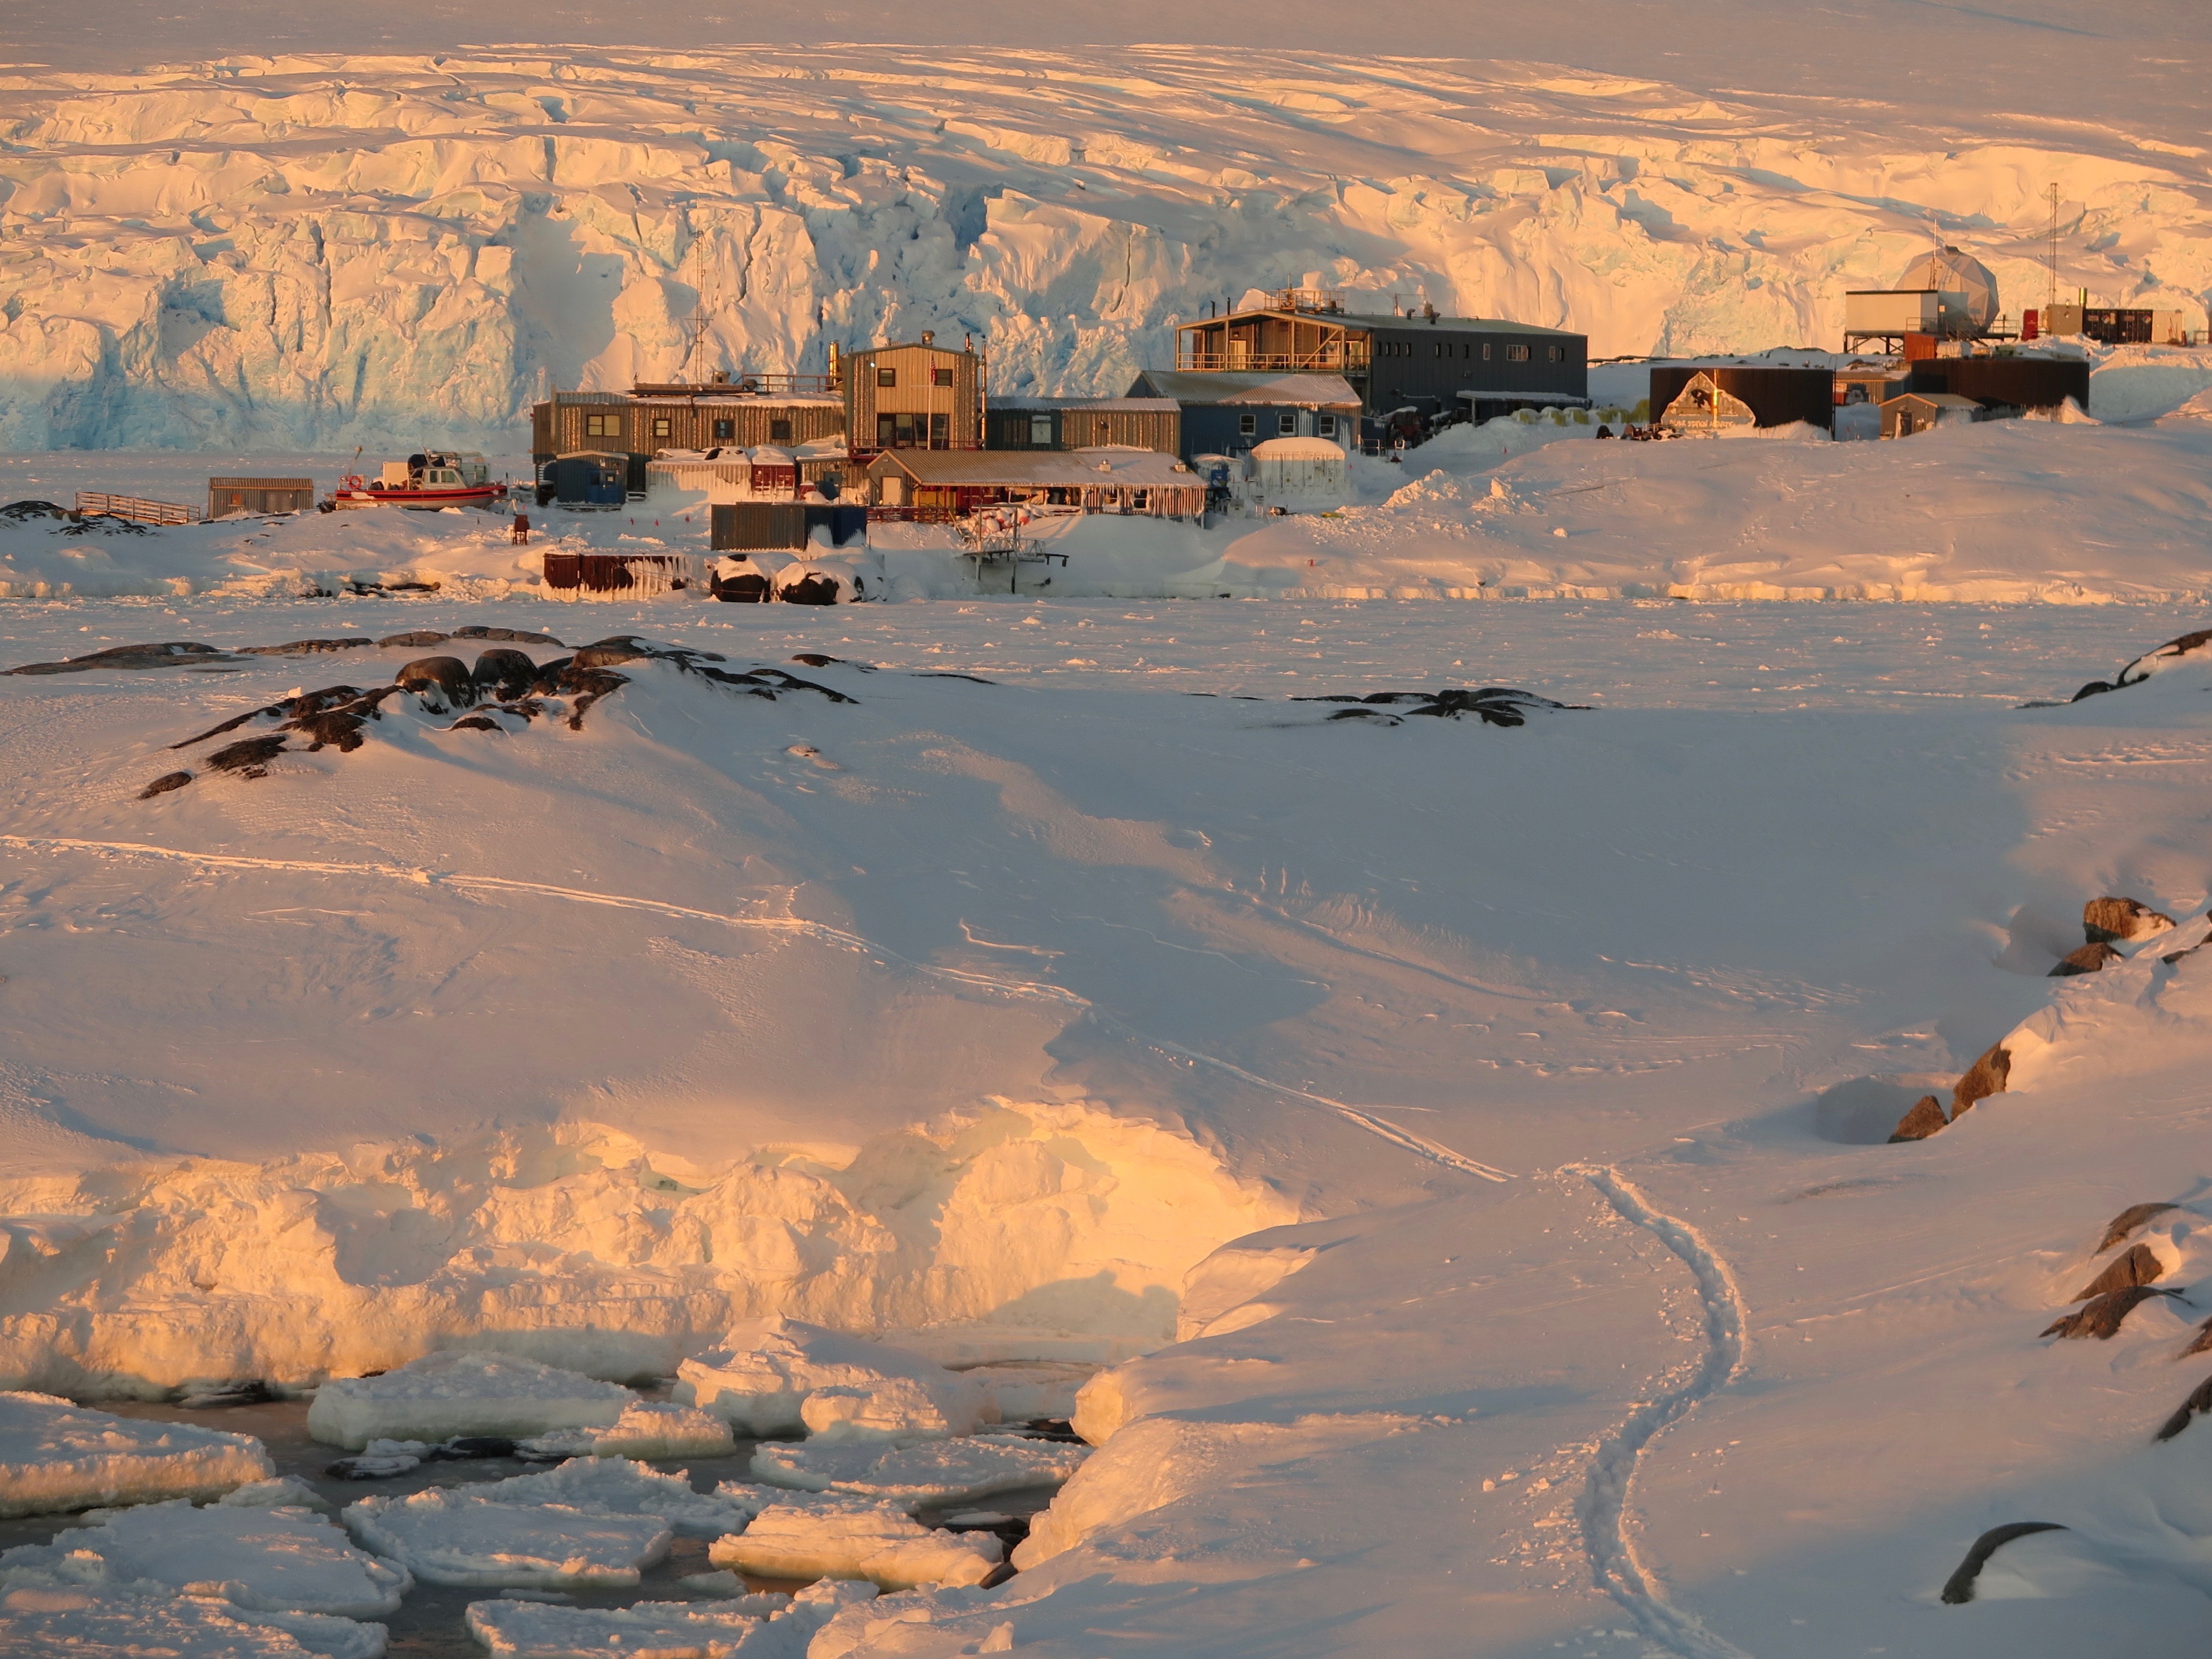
1947,272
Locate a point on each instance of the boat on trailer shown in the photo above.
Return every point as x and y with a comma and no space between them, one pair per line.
434,479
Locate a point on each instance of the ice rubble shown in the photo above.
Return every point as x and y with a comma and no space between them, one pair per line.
933,1472
57,1456
852,1538
761,1627
264,1560
290,284
444,1394
777,1376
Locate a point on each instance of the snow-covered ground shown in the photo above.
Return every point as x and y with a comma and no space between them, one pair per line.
1452,1091
324,250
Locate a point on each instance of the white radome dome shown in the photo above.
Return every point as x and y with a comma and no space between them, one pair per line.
1955,272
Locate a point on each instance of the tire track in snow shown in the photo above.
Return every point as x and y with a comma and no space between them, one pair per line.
1614,1564
796,927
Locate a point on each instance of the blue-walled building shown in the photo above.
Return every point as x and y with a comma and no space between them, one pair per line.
1227,413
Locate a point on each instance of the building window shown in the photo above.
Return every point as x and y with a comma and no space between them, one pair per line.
662,426
726,432
940,377
602,426
886,377
1326,425
1287,424
1485,351
1516,354
1041,432
778,432
940,432
1248,425
1559,354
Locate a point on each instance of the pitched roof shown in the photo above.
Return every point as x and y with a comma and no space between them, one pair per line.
1067,469
1202,387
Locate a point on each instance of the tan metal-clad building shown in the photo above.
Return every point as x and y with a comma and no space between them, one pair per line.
1084,423
918,396
227,495
782,409
927,484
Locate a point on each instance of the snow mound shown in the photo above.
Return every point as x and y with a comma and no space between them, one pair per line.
85,1623
774,1376
855,1538
56,1456
461,1537
285,1491
1025,1394
445,1395
265,1560
647,1428
620,1487
933,1472
663,1629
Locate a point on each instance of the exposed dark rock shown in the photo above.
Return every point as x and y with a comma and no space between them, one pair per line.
105,524
2121,919
1959,1588
442,683
2102,1316
414,642
2202,1342
2117,1229
304,647
996,1575
1494,705
510,672
16,511
2199,1402
251,1393
249,757
512,635
2084,959
165,782
2095,688
476,723
340,727
179,654
2140,1266
1925,1118
605,656
1984,1077
819,659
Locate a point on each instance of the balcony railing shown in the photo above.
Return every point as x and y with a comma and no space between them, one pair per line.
1348,358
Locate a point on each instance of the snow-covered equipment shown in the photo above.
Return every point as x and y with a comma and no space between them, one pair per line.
1297,474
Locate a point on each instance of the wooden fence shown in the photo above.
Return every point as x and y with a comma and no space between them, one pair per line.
93,502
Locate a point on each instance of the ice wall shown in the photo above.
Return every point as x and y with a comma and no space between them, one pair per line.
320,252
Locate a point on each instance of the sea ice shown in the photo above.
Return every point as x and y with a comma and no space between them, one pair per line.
1024,1392
92,1626
285,1491
444,1394
779,1376
647,1428
620,1487
459,1537
56,1456
929,1472
662,1630
265,1560
855,1538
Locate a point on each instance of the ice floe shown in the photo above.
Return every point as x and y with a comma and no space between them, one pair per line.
647,1428
445,1395
930,1472
87,1624
779,1376
56,1456
852,1538
445,1536
264,1560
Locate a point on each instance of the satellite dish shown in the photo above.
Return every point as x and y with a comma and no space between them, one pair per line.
1951,272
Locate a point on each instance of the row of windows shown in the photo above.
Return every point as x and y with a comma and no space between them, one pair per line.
1514,354
1286,425
611,426
887,378
915,432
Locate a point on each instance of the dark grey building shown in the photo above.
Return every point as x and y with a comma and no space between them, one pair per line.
1227,413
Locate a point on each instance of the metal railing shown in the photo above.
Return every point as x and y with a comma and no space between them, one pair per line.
1350,357
98,504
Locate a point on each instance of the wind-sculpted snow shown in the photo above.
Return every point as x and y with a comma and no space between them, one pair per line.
338,249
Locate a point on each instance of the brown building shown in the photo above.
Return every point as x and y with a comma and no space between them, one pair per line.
1153,423
228,495
918,396
944,486
744,412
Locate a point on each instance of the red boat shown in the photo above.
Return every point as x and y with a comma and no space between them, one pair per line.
434,479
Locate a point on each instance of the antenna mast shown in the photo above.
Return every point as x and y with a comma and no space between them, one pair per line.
2054,245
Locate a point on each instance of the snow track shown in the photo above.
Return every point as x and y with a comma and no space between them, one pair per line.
1018,989
1614,1564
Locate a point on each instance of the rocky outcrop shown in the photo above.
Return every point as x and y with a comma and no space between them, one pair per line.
2140,1266
1959,1588
2084,959
2199,1402
2117,1231
1925,1118
2102,1316
2124,920
1984,1077
442,683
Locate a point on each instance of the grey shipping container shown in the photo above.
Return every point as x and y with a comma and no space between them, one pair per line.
782,526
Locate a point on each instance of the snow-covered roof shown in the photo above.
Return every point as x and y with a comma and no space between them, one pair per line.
1524,396
1067,468
1108,405
1936,399
1186,386
1296,449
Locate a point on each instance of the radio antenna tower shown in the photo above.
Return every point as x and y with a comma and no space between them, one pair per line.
2053,194
695,338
